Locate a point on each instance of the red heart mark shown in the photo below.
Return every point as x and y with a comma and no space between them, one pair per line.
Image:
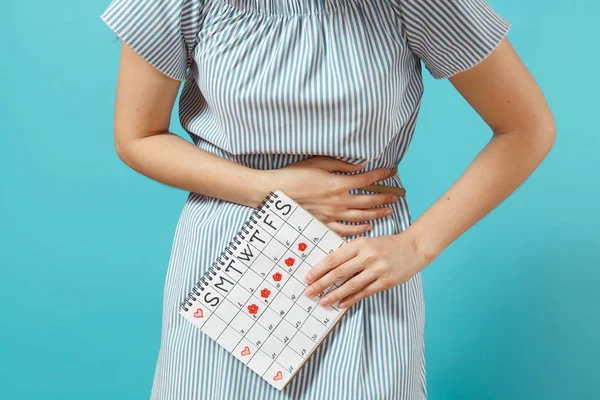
278,376
252,308
199,313
246,351
265,293
302,246
277,276
289,261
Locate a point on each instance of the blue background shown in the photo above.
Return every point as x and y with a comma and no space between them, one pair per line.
512,305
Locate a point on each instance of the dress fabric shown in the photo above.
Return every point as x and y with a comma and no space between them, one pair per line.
271,82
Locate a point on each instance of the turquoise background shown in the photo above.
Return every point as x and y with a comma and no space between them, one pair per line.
512,305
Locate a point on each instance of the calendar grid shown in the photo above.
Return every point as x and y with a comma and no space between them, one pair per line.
279,293
234,327
312,310
241,310
298,328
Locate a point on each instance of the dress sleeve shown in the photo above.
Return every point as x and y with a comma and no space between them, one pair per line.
163,32
451,36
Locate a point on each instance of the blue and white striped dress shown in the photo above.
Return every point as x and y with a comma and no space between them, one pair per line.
272,82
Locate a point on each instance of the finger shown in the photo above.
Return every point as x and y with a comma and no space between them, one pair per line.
364,215
365,201
343,166
331,261
348,230
346,270
351,286
333,164
366,291
368,177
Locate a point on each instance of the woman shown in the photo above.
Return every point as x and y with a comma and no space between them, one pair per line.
317,98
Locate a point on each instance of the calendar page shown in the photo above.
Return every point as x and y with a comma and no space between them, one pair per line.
252,302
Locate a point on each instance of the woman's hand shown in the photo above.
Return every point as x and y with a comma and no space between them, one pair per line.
313,185
371,264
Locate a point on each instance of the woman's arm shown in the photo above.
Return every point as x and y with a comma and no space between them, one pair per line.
143,107
503,92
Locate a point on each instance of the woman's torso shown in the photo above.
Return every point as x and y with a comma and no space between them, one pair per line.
273,82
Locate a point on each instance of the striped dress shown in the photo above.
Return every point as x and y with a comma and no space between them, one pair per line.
272,82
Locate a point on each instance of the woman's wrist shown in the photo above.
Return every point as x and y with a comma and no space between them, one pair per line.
423,242
262,182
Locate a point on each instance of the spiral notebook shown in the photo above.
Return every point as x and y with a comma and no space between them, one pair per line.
251,300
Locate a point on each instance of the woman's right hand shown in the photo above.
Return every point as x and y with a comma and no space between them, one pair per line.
313,185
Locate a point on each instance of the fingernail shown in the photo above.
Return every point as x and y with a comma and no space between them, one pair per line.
309,291
307,277
324,301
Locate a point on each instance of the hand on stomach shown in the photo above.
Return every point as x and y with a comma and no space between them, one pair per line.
313,184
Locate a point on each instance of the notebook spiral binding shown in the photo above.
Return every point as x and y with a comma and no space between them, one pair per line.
199,286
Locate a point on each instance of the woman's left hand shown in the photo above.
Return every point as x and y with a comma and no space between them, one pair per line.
372,264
